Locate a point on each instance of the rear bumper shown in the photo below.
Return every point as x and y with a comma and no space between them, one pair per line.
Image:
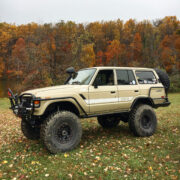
164,104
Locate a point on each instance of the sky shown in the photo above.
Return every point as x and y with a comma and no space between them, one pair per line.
84,11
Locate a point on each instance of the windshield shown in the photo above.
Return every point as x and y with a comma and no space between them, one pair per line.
82,77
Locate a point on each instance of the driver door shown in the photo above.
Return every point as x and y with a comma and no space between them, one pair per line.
103,94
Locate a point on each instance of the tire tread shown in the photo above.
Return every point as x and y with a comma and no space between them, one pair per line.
48,122
132,118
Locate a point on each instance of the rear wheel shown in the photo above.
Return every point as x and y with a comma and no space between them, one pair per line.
142,120
29,131
108,121
61,132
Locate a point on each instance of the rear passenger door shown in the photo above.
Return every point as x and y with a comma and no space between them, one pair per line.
128,88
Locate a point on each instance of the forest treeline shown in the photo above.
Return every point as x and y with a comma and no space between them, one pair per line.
39,54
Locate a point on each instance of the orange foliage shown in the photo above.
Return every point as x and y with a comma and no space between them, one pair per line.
2,66
40,53
137,47
169,57
113,53
99,58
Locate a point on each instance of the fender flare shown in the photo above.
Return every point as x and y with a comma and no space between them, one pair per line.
150,101
64,98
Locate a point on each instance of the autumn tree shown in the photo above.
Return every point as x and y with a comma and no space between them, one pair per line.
6,37
168,25
88,55
169,57
97,35
19,58
1,67
113,53
136,50
99,58
129,30
39,54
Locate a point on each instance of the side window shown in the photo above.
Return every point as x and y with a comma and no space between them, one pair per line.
125,77
146,77
104,78
122,77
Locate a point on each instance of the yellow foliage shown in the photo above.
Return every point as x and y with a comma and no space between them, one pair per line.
2,66
88,55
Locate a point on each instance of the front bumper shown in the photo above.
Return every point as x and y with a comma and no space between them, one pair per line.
23,105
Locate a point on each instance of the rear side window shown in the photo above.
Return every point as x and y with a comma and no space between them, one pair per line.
125,77
146,77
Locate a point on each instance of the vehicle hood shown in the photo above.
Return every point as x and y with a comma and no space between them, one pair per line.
55,91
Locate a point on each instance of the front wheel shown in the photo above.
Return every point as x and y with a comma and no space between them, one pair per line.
108,121
142,120
30,132
61,132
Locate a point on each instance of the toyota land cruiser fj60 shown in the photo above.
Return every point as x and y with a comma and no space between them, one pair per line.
112,94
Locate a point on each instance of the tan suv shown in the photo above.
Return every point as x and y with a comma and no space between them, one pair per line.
112,94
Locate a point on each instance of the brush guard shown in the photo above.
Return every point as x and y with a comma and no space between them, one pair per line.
22,106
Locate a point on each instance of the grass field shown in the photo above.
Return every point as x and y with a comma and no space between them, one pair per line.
102,154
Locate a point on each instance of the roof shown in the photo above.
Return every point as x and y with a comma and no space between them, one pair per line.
114,67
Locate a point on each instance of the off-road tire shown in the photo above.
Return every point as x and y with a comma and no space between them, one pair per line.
108,121
61,132
163,76
30,132
142,120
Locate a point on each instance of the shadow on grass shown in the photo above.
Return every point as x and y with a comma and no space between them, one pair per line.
93,134
90,135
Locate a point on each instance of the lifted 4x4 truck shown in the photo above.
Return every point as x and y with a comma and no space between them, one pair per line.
112,94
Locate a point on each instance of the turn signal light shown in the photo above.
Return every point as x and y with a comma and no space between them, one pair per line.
36,103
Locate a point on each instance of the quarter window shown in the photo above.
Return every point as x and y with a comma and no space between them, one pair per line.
125,77
146,77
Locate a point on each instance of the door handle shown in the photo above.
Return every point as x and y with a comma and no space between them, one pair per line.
112,92
136,90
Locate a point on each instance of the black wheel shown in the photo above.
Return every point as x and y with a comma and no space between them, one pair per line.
108,121
142,120
163,76
61,132
30,132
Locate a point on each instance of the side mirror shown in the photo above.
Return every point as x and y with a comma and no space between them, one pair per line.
70,70
97,83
